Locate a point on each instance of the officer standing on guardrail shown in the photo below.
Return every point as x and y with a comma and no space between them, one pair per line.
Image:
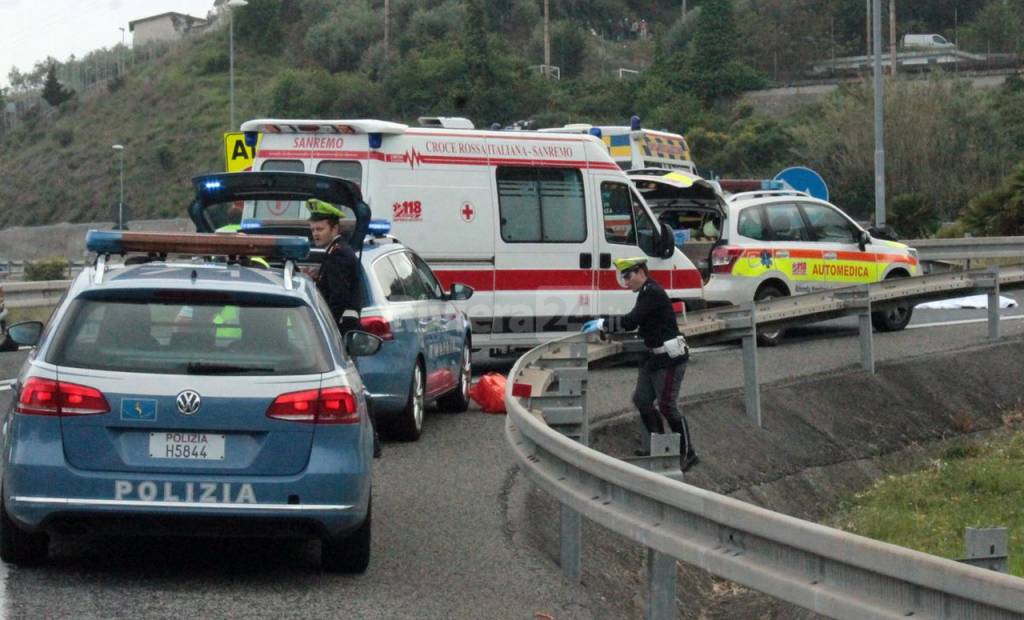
338,277
661,372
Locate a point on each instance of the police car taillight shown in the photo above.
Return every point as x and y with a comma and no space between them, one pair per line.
378,326
58,398
335,405
723,257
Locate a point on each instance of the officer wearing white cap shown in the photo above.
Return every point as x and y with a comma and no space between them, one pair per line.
661,372
338,278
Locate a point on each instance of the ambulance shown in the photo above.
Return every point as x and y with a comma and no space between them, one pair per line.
532,221
636,148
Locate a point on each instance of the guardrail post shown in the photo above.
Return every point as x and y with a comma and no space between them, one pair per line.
860,299
987,547
564,406
661,586
988,282
570,543
743,322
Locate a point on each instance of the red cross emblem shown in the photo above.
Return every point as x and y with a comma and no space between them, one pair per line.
467,212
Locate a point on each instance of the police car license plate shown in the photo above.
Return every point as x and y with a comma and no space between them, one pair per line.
188,446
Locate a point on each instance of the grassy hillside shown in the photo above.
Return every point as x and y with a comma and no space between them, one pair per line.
169,115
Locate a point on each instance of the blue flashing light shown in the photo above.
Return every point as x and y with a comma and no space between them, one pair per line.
595,131
379,228
376,140
251,138
213,184
634,123
251,224
772,185
104,242
293,248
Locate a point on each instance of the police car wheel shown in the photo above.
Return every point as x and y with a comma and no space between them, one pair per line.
351,553
769,337
457,400
409,425
18,546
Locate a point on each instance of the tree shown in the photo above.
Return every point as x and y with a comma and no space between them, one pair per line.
714,70
53,91
999,212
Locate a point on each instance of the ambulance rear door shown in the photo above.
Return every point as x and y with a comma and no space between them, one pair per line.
545,257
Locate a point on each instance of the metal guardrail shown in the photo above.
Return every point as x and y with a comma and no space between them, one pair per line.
33,294
828,571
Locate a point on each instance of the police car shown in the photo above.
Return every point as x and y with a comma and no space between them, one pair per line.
781,242
194,395
425,357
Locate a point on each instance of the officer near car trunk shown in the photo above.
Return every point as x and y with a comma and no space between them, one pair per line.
338,277
661,371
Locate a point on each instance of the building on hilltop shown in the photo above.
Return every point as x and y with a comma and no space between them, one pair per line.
165,28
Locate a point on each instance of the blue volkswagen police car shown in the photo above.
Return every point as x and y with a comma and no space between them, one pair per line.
195,395
425,357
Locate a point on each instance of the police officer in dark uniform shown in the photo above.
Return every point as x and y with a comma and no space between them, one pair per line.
338,277
661,372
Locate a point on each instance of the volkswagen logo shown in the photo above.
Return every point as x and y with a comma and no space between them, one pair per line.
188,402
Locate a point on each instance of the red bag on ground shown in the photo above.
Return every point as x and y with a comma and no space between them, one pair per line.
489,393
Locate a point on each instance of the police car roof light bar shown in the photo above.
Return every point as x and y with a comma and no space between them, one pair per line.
266,246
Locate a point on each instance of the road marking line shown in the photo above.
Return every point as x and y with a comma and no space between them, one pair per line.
1016,317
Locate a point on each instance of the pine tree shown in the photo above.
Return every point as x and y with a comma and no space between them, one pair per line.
53,91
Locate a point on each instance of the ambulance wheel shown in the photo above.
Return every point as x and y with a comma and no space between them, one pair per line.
348,554
457,400
409,424
769,337
895,318
18,546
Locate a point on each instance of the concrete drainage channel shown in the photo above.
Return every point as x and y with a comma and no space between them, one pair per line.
829,436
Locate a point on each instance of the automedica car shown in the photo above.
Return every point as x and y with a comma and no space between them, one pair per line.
425,357
193,395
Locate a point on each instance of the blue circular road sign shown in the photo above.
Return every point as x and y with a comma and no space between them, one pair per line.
804,179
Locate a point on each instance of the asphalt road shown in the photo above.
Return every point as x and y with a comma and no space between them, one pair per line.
447,510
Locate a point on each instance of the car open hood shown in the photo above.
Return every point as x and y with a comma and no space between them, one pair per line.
225,187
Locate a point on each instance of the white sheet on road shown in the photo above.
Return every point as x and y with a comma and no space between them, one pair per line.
972,301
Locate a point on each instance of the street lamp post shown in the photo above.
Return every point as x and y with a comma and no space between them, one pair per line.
232,5
120,203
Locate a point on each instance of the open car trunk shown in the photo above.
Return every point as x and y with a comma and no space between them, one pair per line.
691,206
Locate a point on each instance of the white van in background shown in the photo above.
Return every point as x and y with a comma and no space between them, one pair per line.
926,41
532,221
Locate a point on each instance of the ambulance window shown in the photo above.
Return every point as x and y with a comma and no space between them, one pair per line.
786,223
617,206
645,231
541,205
751,224
283,165
348,170
828,224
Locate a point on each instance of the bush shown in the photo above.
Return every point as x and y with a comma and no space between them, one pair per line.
54,268
165,157
63,137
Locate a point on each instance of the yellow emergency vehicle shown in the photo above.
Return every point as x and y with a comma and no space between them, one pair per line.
777,243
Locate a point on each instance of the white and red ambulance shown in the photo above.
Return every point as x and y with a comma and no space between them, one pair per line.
532,221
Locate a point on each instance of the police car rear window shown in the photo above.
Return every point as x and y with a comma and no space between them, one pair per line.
189,336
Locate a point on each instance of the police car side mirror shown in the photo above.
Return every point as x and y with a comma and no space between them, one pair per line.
361,344
666,242
26,333
460,292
